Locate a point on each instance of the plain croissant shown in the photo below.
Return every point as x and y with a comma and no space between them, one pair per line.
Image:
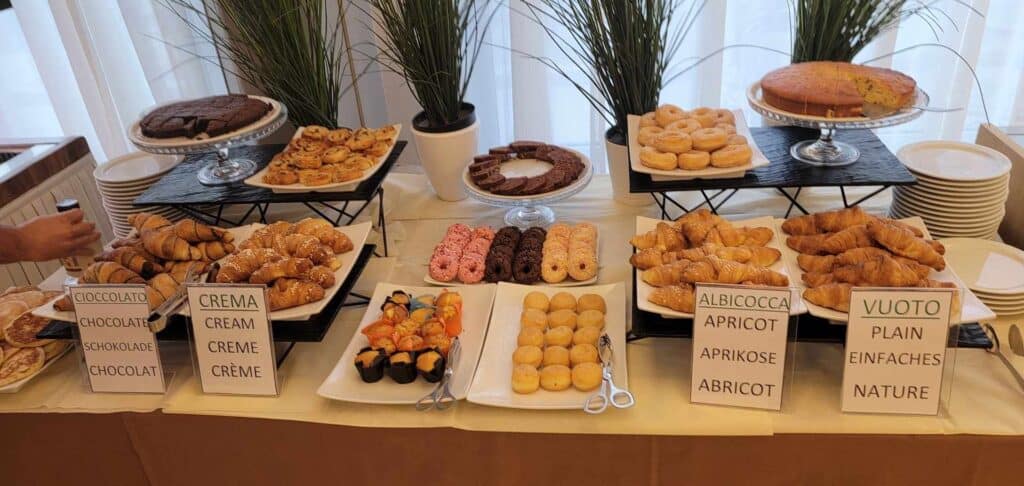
902,241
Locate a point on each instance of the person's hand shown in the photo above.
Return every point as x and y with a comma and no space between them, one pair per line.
57,235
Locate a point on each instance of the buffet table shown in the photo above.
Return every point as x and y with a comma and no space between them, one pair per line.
809,442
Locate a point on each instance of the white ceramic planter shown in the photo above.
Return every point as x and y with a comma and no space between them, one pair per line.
444,156
618,166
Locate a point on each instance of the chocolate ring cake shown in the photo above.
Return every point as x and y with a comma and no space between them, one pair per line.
485,171
836,89
213,116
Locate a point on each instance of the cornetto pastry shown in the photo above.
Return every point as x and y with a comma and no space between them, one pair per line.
211,116
485,170
836,89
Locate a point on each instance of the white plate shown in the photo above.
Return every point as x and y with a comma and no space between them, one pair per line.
492,384
988,266
988,201
954,161
758,159
18,385
345,384
953,216
134,167
257,178
974,186
643,290
527,168
136,136
973,309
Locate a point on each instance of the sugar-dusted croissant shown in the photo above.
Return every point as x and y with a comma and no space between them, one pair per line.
305,246
833,296
327,234
666,274
653,257
133,259
165,244
663,237
240,266
110,273
193,231
809,244
148,221
680,298
289,292
288,267
816,263
878,272
321,276
902,241
734,272
215,249
856,236
728,235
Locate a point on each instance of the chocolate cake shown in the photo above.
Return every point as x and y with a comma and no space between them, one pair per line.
213,116
485,171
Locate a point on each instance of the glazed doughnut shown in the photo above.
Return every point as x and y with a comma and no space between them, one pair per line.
648,134
709,139
672,141
582,266
650,157
314,177
314,132
647,120
725,116
706,116
554,270
731,156
727,127
443,268
667,113
471,268
736,139
694,160
686,125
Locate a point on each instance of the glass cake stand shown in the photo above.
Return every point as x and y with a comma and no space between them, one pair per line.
225,169
825,151
527,211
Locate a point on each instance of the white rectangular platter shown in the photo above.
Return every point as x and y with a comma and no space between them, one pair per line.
758,160
643,290
492,384
972,309
345,384
18,385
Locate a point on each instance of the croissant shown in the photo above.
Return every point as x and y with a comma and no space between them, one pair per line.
667,274
879,272
702,215
193,231
847,239
662,237
110,273
289,292
325,232
680,298
240,266
148,221
131,258
287,267
696,230
763,256
179,271
160,288
214,250
854,256
652,257
809,244
902,242
321,276
734,272
816,263
304,246
937,246
702,271
817,279
165,244
801,225
913,229
833,296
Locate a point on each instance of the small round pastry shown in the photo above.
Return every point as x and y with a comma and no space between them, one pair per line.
647,120
555,377
314,177
562,318
706,116
736,139
731,156
725,116
727,127
529,355
336,155
530,336
537,300
525,379
647,134
583,353
385,133
358,162
338,136
555,269
590,318
591,302
586,376
314,132
533,318
360,140
667,113
378,149
654,159
693,160
562,300
308,161
583,266
685,125
586,335
556,355
558,336
708,139
672,141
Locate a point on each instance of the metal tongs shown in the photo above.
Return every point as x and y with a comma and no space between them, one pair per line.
1016,344
158,318
608,394
441,398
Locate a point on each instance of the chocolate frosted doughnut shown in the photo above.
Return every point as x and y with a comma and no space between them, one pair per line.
498,268
526,268
536,231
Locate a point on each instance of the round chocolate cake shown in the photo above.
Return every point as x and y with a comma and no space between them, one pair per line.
485,171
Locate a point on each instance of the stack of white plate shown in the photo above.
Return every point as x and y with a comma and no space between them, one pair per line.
961,188
123,179
992,270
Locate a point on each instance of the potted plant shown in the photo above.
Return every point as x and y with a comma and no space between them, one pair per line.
622,48
434,46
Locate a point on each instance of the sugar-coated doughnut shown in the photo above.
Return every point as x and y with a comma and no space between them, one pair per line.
586,335
647,134
709,139
647,120
586,376
590,318
582,266
583,230
528,355
654,159
693,160
556,355
525,379
672,141
555,245
533,318
727,127
562,300
559,230
685,125
530,336
736,139
731,156
706,116
591,302
725,116
555,377
443,268
554,270
472,268
667,113
558,336
536,300
583,353
562,318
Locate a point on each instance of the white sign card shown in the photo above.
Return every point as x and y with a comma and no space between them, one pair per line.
233,342
739,345
121,354
895,350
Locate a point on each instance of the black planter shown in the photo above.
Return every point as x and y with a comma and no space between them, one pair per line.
616,135
467,116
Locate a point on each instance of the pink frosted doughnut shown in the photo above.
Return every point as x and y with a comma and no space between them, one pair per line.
479,246
443,268
471,268
461,230
449,248
485,232
458,240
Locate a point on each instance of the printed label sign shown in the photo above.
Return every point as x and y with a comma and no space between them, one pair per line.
739,345
895,350
121,353
233,342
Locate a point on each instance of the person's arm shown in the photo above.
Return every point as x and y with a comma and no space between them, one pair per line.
47,237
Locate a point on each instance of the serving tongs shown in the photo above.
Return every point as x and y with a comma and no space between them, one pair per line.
158,318
1016,345
441,398
608,394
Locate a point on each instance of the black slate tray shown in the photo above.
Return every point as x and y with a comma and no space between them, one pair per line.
312,330
179,187
877,166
